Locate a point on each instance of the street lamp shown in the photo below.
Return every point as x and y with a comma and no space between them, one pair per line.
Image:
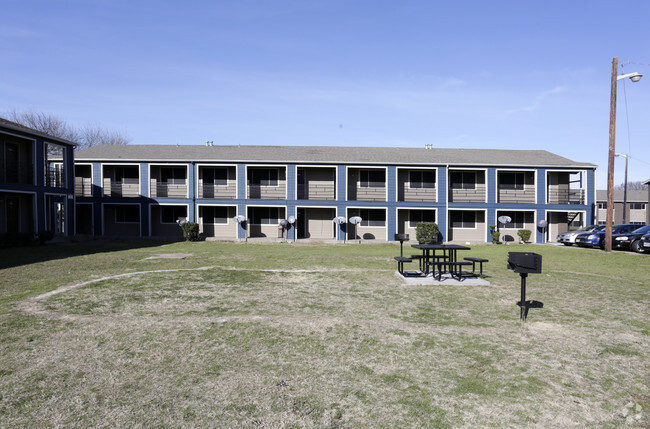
634,77
624,188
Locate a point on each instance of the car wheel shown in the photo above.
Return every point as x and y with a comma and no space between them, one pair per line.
636,247
568,244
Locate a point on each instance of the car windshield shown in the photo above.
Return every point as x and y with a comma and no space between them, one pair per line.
642,230
598,228
586,228
621,229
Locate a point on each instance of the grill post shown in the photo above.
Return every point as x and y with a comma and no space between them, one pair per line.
523,312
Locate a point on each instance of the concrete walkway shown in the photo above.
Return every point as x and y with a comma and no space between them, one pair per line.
445,281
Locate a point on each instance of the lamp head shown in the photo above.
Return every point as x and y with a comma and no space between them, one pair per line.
636,77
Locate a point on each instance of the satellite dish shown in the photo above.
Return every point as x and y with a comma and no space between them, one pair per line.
542,223
284,222
239,219
504,219
338,220
355,220
292,220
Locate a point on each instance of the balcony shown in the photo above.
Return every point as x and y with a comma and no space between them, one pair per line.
566,188
416,185
366,184
516,187
467,186
217,182
267,183
316,184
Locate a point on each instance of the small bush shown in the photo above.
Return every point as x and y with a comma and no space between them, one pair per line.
44,236
524,235
427,233
496,235
190,231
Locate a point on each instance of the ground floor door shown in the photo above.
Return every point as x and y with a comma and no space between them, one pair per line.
316,223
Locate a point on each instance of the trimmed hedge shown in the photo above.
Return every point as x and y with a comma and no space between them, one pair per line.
427,233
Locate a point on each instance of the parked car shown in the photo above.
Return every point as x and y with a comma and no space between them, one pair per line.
598,238
644,243
569,238
580,238
630,240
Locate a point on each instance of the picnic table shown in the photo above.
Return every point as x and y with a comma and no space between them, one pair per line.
444,257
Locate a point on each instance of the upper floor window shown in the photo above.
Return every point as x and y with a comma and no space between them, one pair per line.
126,174
173,175
463,180
372,178
216,176
602,205
637,206
263,177
511,181
422,179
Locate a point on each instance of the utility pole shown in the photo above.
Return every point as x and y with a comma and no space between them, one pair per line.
610,159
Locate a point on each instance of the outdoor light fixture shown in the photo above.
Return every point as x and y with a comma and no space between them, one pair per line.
634,77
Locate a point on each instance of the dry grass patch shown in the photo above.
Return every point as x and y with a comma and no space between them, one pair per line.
327,345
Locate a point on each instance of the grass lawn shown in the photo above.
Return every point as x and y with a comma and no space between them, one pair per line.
317,336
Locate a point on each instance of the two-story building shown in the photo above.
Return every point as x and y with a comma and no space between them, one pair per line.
142,190
636,206
37,182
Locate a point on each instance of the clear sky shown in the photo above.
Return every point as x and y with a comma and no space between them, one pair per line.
466,74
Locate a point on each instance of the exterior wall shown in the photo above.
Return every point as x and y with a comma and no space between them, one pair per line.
476,195
39,187
118,229
403,224
317,223
163,229
320,184
228,191
510,235
407,194
227,231
265,192
356,192
518,196
476,234
318,214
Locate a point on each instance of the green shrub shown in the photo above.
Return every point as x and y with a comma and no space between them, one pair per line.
427,233
496,235
524,235
44,236
190,231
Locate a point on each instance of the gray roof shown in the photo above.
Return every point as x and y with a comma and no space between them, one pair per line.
18,127
328,155
632,196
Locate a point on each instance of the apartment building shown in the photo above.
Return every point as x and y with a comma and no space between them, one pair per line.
37,182
143,190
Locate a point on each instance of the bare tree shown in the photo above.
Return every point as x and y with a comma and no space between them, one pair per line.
86,136
633,186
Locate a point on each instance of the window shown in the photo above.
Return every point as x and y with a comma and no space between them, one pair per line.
171,214
372,178
517,219
11,164
422,179
463,180
126,175
215,215
265,216
372,217
637,206
263,177
173,175
602,206
511,181
419,216
127,214
463,219
215,176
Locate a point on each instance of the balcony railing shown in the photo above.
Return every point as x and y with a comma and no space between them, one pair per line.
566,196
55,178
83,187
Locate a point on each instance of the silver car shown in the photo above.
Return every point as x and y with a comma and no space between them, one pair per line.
569,238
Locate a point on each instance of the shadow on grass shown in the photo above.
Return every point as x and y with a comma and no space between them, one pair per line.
26,255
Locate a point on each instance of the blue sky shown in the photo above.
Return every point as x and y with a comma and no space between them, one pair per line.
471,74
